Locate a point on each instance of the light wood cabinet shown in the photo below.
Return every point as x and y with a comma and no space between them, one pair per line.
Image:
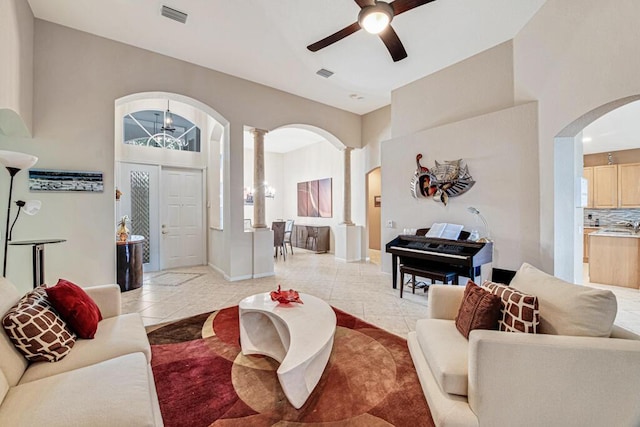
605,186
587,173
585,243
614,260
629,185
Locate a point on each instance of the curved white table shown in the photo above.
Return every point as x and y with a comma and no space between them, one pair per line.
299,336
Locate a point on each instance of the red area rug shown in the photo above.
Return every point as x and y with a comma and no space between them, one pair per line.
203,379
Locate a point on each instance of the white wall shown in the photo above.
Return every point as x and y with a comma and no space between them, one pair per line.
16,68
500,151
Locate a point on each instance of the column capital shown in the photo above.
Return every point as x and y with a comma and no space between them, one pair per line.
259,132
348,149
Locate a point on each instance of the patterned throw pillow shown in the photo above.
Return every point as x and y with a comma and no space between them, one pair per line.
36,329
480,309
519,311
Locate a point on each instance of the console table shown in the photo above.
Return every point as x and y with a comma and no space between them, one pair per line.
38,256
300,234
129,262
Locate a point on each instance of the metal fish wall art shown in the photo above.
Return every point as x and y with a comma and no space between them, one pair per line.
448,179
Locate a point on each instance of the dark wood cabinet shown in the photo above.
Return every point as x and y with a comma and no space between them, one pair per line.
303,237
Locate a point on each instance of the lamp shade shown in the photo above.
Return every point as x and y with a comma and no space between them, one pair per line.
32,207
375,18
13,159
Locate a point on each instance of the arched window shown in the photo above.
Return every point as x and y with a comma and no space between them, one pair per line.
161,129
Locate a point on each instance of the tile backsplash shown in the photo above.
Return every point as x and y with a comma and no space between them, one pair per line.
610,216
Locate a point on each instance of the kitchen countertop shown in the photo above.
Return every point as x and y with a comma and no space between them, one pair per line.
623,232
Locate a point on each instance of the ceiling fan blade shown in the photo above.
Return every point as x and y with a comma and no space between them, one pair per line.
401,6
334,37
365,3
393,44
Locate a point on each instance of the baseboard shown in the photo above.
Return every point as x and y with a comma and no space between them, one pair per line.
258,276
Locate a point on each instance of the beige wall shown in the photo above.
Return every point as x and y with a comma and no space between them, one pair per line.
475,86
501,153
77,78
16,67
572,57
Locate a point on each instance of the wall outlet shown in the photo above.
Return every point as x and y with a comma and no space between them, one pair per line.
390,223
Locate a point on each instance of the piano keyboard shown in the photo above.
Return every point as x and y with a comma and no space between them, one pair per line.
422,251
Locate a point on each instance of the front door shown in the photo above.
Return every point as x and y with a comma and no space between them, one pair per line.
140,201
182,218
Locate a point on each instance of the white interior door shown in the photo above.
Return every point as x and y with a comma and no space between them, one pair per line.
139,185
182,218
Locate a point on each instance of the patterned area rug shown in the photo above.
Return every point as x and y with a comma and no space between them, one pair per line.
203,379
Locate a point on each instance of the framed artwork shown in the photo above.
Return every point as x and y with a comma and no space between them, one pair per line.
325,204
61,180
303,199
376,201
315,198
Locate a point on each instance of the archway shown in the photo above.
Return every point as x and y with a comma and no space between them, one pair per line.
568,210
173,178
295,154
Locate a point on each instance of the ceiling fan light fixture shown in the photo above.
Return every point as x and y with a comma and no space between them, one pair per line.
374,19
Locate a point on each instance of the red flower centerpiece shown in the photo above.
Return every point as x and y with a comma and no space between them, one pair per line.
285,297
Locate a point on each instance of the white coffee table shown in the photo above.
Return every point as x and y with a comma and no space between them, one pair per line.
299,336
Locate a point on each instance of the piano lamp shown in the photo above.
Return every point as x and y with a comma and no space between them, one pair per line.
14,162
475,211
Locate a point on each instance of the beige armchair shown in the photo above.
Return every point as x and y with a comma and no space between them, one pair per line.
506,379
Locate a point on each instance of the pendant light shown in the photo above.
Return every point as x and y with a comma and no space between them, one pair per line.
168,121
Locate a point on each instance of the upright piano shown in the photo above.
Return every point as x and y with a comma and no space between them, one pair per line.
427,253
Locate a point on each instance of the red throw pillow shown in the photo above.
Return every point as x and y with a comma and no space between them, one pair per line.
76,307
480,309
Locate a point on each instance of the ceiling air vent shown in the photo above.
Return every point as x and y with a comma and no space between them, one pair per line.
324,73
176,15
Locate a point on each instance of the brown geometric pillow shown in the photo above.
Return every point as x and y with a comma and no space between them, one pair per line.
519,311
480,309
36,329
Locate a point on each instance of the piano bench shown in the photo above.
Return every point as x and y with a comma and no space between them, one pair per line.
445,277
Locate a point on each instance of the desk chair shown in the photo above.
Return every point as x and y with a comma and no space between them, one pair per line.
288,230
278,239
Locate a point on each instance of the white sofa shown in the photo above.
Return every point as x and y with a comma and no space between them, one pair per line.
105,381
508,379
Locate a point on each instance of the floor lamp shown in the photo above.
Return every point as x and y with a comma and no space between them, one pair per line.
14,162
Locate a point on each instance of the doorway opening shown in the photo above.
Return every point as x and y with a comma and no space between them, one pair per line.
574,190
169,161
374,202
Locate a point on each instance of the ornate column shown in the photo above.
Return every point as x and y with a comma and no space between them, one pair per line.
258,178
346,216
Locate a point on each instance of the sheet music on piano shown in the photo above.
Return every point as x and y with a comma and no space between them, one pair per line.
445,230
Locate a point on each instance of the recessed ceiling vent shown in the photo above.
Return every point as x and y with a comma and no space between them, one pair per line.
176,15
324,73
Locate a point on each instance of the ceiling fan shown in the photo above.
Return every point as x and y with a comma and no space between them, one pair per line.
375,17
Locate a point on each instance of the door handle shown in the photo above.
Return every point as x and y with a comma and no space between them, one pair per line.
165,232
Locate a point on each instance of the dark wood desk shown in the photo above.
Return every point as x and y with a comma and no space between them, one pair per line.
38,256
301,232
129,262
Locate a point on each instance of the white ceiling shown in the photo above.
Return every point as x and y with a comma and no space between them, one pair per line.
265,40
617,130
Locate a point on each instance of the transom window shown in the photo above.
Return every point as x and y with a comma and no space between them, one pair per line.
161,129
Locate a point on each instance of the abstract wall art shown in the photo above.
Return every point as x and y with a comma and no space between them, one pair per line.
61,180
315,198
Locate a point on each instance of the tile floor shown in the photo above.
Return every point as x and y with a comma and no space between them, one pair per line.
357,288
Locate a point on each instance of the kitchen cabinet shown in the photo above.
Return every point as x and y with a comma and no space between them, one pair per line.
585,244
587,173
614,260
629,185
605,186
